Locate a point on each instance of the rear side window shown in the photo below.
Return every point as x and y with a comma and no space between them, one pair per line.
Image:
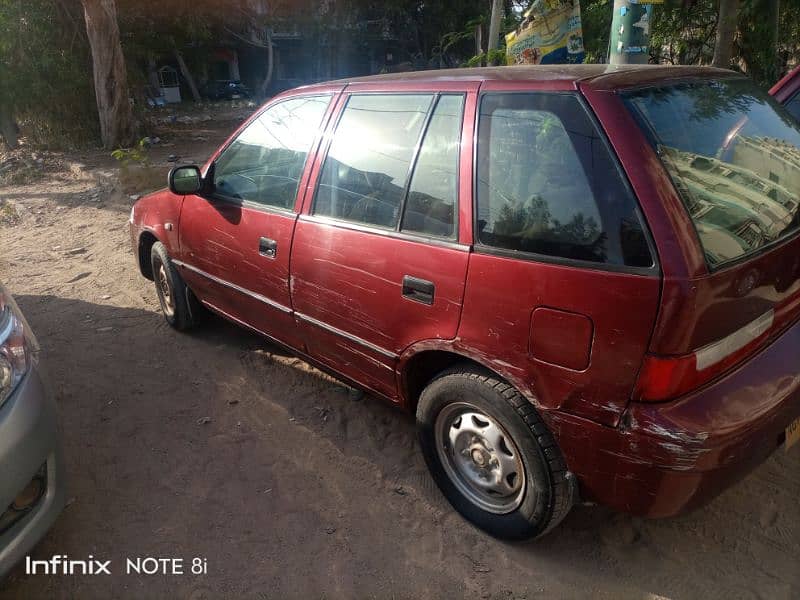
547,184
733,154
364,175
265,162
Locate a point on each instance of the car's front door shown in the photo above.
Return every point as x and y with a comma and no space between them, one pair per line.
235,241
377,264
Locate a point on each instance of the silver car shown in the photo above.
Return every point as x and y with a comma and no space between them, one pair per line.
31,468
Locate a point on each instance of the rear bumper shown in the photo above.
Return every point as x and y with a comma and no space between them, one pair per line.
29,442
669,458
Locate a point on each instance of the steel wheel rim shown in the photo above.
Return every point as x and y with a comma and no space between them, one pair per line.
480,458
164,291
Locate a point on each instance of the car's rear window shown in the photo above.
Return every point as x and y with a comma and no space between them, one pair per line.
734,156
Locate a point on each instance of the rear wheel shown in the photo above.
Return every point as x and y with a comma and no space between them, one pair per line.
492,456
178,303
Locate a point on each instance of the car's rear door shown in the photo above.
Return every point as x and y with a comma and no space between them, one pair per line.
563,287
376,262
235,241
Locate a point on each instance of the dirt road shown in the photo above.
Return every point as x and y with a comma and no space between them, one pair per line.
217,445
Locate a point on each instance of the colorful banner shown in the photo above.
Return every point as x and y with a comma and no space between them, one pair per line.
550,34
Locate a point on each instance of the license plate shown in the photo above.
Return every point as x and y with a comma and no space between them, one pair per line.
793,433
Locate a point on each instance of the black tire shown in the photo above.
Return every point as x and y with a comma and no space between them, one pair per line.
547,490
180,306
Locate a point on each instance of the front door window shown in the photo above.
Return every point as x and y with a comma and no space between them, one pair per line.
264,164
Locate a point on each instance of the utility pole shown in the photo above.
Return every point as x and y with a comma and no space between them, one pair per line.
630,33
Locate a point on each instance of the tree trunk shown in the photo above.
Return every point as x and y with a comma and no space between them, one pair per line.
8,130
152,73
270,66
110,75
479,43
726,30
774,13
187,75
494,25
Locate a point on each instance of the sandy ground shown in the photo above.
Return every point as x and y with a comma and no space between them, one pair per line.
218,445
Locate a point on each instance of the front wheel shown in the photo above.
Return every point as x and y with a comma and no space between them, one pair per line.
492,456
178,303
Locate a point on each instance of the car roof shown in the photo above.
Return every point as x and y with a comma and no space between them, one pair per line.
589,75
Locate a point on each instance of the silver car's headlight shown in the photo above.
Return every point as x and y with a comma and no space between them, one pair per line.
18,345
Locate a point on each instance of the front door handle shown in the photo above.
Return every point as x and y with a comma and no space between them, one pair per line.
419,290
267,247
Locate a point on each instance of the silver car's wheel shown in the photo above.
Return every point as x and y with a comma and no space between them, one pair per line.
480,458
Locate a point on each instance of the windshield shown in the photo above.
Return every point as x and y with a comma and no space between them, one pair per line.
734,156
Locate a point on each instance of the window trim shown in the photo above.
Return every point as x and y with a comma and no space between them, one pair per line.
481,248
310,155
451,241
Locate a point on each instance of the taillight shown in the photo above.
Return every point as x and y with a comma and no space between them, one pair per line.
667,377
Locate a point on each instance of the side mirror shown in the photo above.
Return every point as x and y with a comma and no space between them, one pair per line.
185,180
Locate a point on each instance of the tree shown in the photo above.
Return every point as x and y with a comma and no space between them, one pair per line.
9,131
110,74
187,75
46,94
759,39
270,66
726,31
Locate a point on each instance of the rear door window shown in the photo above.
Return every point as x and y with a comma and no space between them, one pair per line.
733,154
364,176
547,184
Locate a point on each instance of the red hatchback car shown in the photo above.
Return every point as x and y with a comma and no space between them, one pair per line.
584,280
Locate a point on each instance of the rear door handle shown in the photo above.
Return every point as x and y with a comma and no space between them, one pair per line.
267,247
419,290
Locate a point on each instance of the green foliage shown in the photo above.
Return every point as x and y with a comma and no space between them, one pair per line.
45,70
495,57
683,35
596,24
136,155
683,32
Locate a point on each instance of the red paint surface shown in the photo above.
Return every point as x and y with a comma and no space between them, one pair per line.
503,292
352,281
222,239
650,459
